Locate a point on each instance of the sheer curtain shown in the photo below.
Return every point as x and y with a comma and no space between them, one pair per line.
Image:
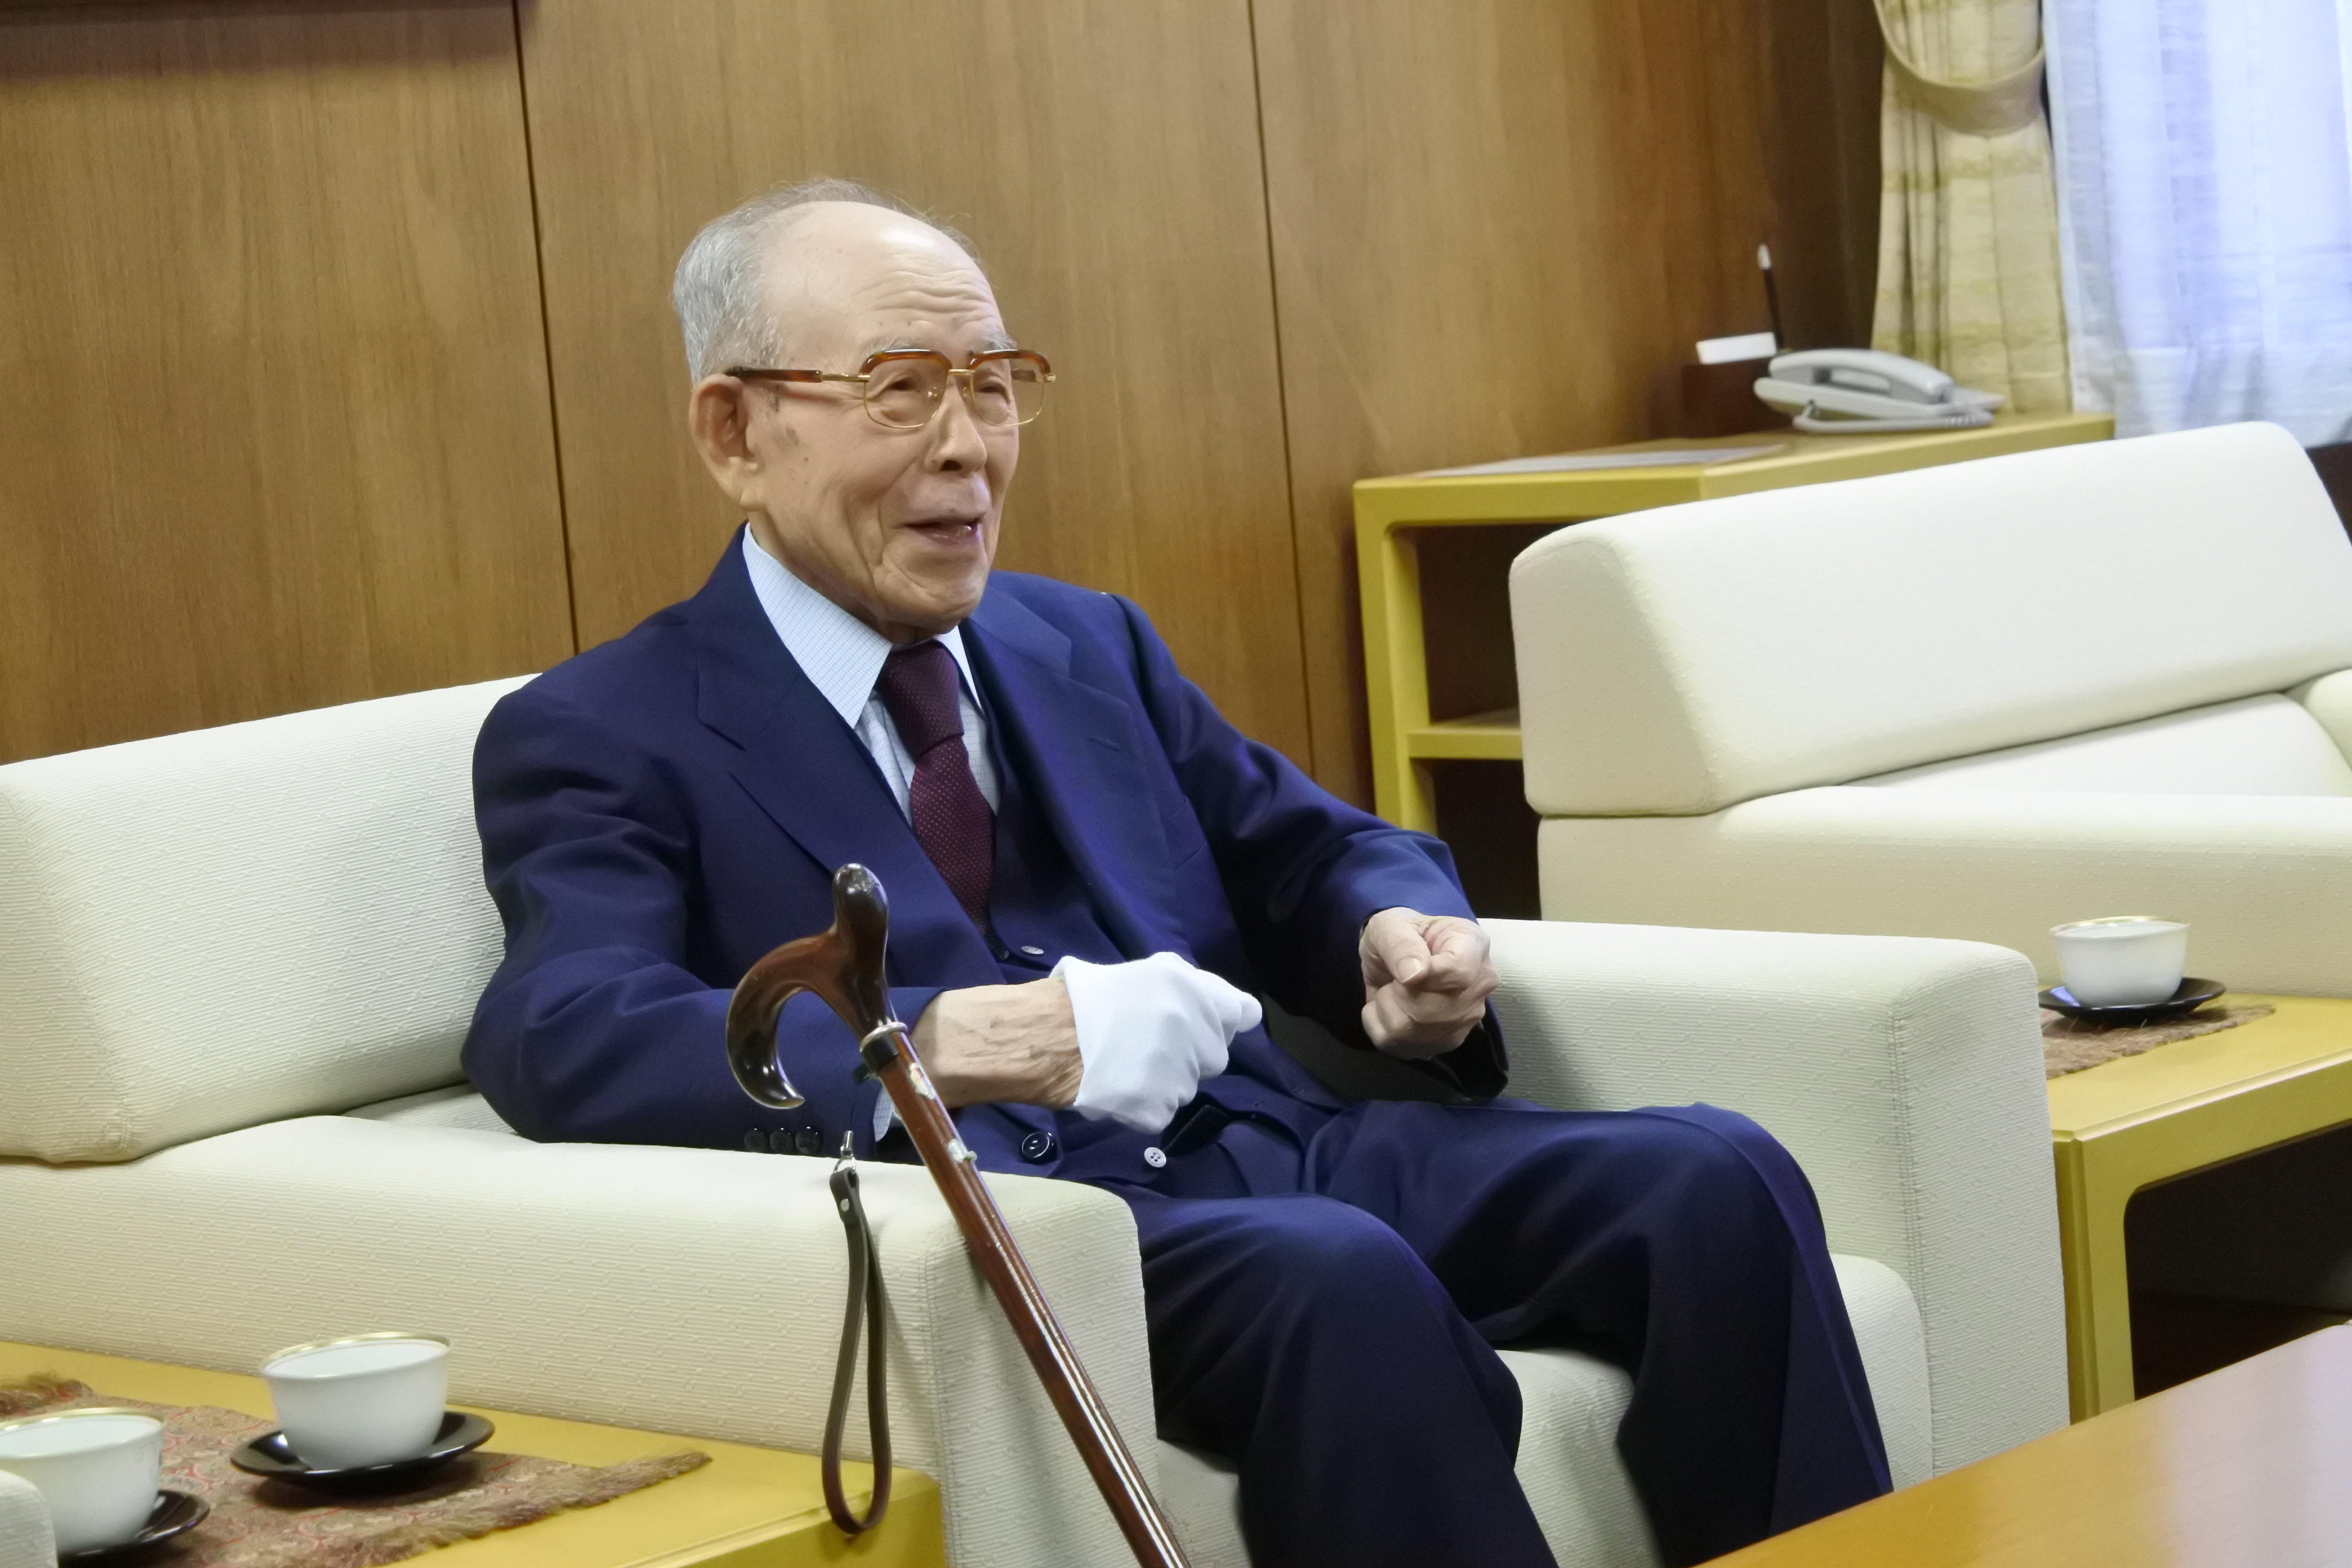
2205,197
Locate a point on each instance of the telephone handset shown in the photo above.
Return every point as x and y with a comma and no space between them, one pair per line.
1861,392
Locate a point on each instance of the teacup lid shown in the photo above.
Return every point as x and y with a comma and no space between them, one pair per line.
383,1336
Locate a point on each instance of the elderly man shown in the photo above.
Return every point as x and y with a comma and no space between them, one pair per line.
1092,877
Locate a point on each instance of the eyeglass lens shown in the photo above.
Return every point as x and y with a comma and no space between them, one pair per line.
905,393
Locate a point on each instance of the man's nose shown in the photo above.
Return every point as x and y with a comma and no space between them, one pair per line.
957,444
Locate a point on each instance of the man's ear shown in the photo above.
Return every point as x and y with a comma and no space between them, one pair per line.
719,416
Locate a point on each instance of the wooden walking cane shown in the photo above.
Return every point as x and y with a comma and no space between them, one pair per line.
843,966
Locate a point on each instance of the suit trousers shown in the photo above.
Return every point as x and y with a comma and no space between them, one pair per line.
1325,1315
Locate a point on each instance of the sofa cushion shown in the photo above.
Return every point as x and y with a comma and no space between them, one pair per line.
459,1106
213,930
1681,660
2257,745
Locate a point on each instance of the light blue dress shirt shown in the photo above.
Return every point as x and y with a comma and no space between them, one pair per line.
842,656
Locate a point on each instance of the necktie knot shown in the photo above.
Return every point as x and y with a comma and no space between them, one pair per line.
920,686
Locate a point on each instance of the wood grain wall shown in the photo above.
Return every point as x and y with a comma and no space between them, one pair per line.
335,356
1105,160
273,393
1498,226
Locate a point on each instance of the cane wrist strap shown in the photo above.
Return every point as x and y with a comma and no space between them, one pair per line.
864,1311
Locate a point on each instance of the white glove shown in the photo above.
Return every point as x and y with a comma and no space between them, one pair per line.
1148,1032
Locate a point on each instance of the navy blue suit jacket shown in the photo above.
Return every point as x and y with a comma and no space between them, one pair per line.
662,810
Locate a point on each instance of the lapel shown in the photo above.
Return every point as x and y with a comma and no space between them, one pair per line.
810,774
1079,751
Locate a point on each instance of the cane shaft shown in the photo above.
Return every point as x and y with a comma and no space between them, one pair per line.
1149,1533
844,966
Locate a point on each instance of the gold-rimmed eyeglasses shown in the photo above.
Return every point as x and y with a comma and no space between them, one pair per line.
901,388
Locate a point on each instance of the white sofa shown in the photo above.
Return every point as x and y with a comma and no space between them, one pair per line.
1969,701
236,966
25,1539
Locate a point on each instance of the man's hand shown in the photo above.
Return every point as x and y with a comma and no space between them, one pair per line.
1127,1041
1426,981
1151,1031
1015,1045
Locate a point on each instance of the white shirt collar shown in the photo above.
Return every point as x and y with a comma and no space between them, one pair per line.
841,654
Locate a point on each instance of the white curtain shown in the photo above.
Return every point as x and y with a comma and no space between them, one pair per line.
2205,201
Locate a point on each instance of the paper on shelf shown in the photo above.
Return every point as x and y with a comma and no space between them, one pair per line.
1748,345
1571,462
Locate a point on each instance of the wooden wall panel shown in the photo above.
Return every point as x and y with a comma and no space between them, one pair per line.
1104,156
1823,142
274,427
1498,226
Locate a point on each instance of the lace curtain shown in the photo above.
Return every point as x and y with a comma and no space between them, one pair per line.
1967,251
2206,186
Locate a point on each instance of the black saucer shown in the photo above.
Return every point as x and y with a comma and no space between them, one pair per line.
175,1512
270,1456
2193,994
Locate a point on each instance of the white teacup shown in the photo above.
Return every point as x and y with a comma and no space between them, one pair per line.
97,1468
368,1399
2122,961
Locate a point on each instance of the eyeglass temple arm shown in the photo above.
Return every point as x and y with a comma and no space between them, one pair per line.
753,373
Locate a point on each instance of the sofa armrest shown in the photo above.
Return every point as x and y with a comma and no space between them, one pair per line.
2265,881
2329,699
688,1291
1904,1075
26,1541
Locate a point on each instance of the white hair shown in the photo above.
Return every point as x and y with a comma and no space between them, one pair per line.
721,309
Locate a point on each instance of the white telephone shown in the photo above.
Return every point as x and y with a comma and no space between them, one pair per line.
1861,392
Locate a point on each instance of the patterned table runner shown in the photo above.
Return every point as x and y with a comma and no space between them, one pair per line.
258,1523
2069,1047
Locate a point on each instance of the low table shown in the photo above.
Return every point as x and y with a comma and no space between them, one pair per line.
2123,1125
749,1508
2250,1467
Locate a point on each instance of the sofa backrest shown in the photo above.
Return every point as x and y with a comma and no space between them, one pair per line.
1681,660
207,931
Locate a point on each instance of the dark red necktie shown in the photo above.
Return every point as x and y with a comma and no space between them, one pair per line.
919,686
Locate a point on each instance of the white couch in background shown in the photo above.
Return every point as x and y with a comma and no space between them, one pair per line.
1967,701
1976,701
238,964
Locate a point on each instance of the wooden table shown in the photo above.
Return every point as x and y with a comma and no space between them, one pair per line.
1391,512
749,1508
2120,1126
2250,1468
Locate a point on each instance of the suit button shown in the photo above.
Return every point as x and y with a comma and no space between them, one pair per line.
755,1141
1155,1158
1039,1147
808,1141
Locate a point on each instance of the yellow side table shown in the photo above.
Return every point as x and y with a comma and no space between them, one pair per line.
749,1508
1391,512
2122,1125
